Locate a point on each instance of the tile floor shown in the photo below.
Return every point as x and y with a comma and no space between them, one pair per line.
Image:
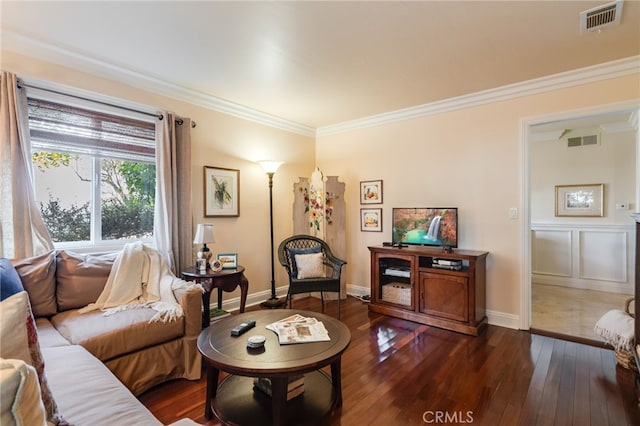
571,311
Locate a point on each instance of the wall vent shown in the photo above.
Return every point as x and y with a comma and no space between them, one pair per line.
601,16
583,141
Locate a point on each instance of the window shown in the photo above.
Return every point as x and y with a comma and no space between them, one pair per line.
94,173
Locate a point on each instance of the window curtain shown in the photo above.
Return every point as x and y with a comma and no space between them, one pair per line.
173,216
22,229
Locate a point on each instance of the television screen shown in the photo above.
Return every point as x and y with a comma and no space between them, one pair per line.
432,226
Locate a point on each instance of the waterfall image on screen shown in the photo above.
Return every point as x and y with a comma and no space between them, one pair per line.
426,226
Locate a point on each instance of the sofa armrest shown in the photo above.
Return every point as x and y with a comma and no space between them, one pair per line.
190,298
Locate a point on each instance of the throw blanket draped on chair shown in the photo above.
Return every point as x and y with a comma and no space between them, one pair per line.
140,278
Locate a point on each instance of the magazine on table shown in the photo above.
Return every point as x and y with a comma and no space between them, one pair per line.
299,329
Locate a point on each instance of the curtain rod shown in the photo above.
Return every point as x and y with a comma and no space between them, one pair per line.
180,121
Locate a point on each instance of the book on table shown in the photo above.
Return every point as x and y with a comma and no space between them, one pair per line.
216,314
295,385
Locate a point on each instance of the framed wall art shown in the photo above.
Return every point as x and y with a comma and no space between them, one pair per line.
580,200
371,192
228,260
221,192
371,220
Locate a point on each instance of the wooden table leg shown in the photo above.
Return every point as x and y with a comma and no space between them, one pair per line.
279,399
212,389
244,289
206,298
336,380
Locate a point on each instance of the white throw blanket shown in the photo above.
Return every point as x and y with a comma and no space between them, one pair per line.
616,328
140,278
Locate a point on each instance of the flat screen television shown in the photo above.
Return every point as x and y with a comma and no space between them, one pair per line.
427,226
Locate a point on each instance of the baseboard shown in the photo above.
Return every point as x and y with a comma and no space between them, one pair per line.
496,318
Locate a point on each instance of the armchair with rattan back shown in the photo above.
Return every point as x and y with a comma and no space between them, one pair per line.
311,266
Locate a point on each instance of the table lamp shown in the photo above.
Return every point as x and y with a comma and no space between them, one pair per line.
204,235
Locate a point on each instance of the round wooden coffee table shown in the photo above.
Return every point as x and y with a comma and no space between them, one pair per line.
234,400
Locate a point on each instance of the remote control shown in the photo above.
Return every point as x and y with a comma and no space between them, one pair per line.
240,329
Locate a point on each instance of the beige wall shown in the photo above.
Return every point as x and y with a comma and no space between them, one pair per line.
612,163
470,158
223,141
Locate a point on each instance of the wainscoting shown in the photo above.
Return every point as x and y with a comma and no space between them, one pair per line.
593,257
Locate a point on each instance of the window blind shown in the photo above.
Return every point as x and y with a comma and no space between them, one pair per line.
75,130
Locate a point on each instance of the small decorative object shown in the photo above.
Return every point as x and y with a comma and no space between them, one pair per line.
221,192
201,265
216,266
204,235
371,220
228,260
371,192
580,200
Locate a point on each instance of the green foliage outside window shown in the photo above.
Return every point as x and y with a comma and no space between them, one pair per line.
127,205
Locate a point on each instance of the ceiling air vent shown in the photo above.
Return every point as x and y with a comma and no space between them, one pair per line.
583,141
599,17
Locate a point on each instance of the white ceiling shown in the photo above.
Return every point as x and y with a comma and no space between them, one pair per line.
320,63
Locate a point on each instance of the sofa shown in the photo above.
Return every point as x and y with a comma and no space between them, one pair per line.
92,366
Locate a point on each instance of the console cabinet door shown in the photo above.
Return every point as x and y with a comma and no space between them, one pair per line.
444,296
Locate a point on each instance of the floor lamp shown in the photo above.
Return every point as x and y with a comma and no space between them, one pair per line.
270,167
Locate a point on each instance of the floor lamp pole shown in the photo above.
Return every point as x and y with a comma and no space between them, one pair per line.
273,301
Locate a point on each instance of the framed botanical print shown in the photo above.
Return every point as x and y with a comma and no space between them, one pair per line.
221,192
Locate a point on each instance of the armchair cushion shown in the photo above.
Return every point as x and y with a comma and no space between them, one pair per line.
309,265
293,252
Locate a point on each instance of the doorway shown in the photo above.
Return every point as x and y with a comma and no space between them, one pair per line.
579,267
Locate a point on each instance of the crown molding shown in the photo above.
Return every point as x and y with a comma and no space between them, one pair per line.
13,41
604,71
27,46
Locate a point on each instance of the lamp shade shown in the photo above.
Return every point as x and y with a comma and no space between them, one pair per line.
204,234
270,166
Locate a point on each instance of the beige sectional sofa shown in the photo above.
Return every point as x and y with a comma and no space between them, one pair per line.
93,363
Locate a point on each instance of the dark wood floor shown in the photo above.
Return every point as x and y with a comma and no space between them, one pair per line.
397,372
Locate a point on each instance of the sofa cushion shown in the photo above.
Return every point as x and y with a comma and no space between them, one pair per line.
38,275
10,282
107,337
48,336
19,340
20,402
88,393
81,278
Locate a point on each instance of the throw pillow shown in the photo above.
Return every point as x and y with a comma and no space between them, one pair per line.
10,283
38,275
81,278
20,402
310,265
294,251
19,340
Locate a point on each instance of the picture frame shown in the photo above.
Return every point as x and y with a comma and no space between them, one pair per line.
371,192
221,192
371,220
586,200
228,260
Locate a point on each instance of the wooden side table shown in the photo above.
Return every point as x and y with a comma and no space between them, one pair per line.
227,280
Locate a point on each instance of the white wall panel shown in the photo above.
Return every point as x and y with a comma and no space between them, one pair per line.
583,256
552,252
603,255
